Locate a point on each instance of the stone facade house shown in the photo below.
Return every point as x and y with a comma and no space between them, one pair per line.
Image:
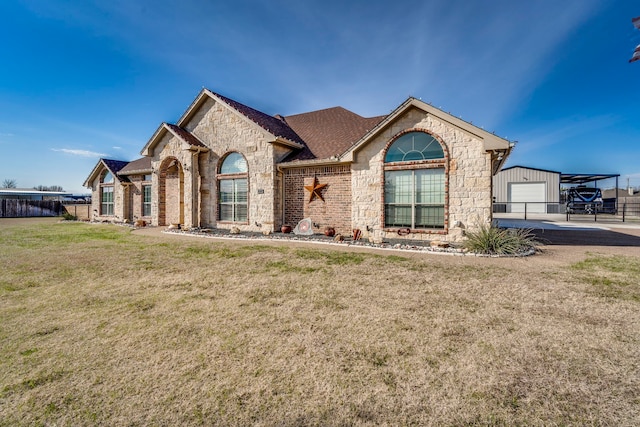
417,173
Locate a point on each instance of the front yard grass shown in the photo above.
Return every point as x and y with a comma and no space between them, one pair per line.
102,326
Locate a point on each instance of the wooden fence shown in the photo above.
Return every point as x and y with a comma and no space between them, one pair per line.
25,208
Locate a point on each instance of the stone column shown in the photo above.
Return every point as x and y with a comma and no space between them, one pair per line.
191,189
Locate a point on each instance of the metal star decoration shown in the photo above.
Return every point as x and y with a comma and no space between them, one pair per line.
314,190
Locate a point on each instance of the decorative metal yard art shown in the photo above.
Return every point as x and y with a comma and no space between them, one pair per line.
584,200
315,190
357,234
304,228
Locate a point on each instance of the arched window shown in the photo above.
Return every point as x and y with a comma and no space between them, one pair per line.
414,182
107,178
233,189
414,146
106,193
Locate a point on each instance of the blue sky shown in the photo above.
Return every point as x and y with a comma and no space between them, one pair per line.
86,79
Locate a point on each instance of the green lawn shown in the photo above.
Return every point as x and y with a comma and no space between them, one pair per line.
101,326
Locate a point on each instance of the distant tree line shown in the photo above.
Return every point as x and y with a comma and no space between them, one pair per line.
49,188
12,183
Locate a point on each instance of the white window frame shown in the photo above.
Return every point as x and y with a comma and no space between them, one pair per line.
146,205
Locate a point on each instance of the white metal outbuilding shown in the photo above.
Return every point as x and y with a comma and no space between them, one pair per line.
518,188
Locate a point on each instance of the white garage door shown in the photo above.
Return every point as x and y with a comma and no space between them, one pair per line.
533,193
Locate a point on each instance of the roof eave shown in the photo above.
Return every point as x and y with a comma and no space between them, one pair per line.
160,132
314,162
136,172
186,145
93,173
195,104
287,143
147,150
499,157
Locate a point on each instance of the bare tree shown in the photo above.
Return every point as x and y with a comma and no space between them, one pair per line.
9,183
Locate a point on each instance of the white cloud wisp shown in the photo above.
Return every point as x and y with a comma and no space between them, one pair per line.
81,153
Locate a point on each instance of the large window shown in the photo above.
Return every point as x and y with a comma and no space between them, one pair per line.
414,188
106,193
146,200
233,189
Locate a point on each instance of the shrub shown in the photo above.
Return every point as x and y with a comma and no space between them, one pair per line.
69,217
492,240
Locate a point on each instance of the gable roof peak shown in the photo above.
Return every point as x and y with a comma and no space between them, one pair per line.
113,166
337,110
272,124
184,136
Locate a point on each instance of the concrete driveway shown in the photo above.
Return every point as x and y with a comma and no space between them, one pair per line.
553,232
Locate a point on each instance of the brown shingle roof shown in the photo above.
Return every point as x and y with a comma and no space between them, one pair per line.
328,132
188,137
116,166
137,167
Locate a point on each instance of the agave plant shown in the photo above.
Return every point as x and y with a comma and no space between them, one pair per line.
492,240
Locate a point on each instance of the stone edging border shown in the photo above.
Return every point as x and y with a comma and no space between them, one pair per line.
361,244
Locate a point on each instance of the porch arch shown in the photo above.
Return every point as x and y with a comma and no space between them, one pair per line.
171,192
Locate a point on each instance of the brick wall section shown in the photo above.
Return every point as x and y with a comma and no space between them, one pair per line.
336,208
174,198
136,198
80,210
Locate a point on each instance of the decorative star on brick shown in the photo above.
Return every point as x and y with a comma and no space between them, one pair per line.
314,190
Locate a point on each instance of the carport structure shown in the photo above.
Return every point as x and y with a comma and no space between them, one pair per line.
585,178
519,188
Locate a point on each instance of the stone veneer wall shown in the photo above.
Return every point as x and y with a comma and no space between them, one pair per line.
224,131
95,199
336,208
469,179
175,186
